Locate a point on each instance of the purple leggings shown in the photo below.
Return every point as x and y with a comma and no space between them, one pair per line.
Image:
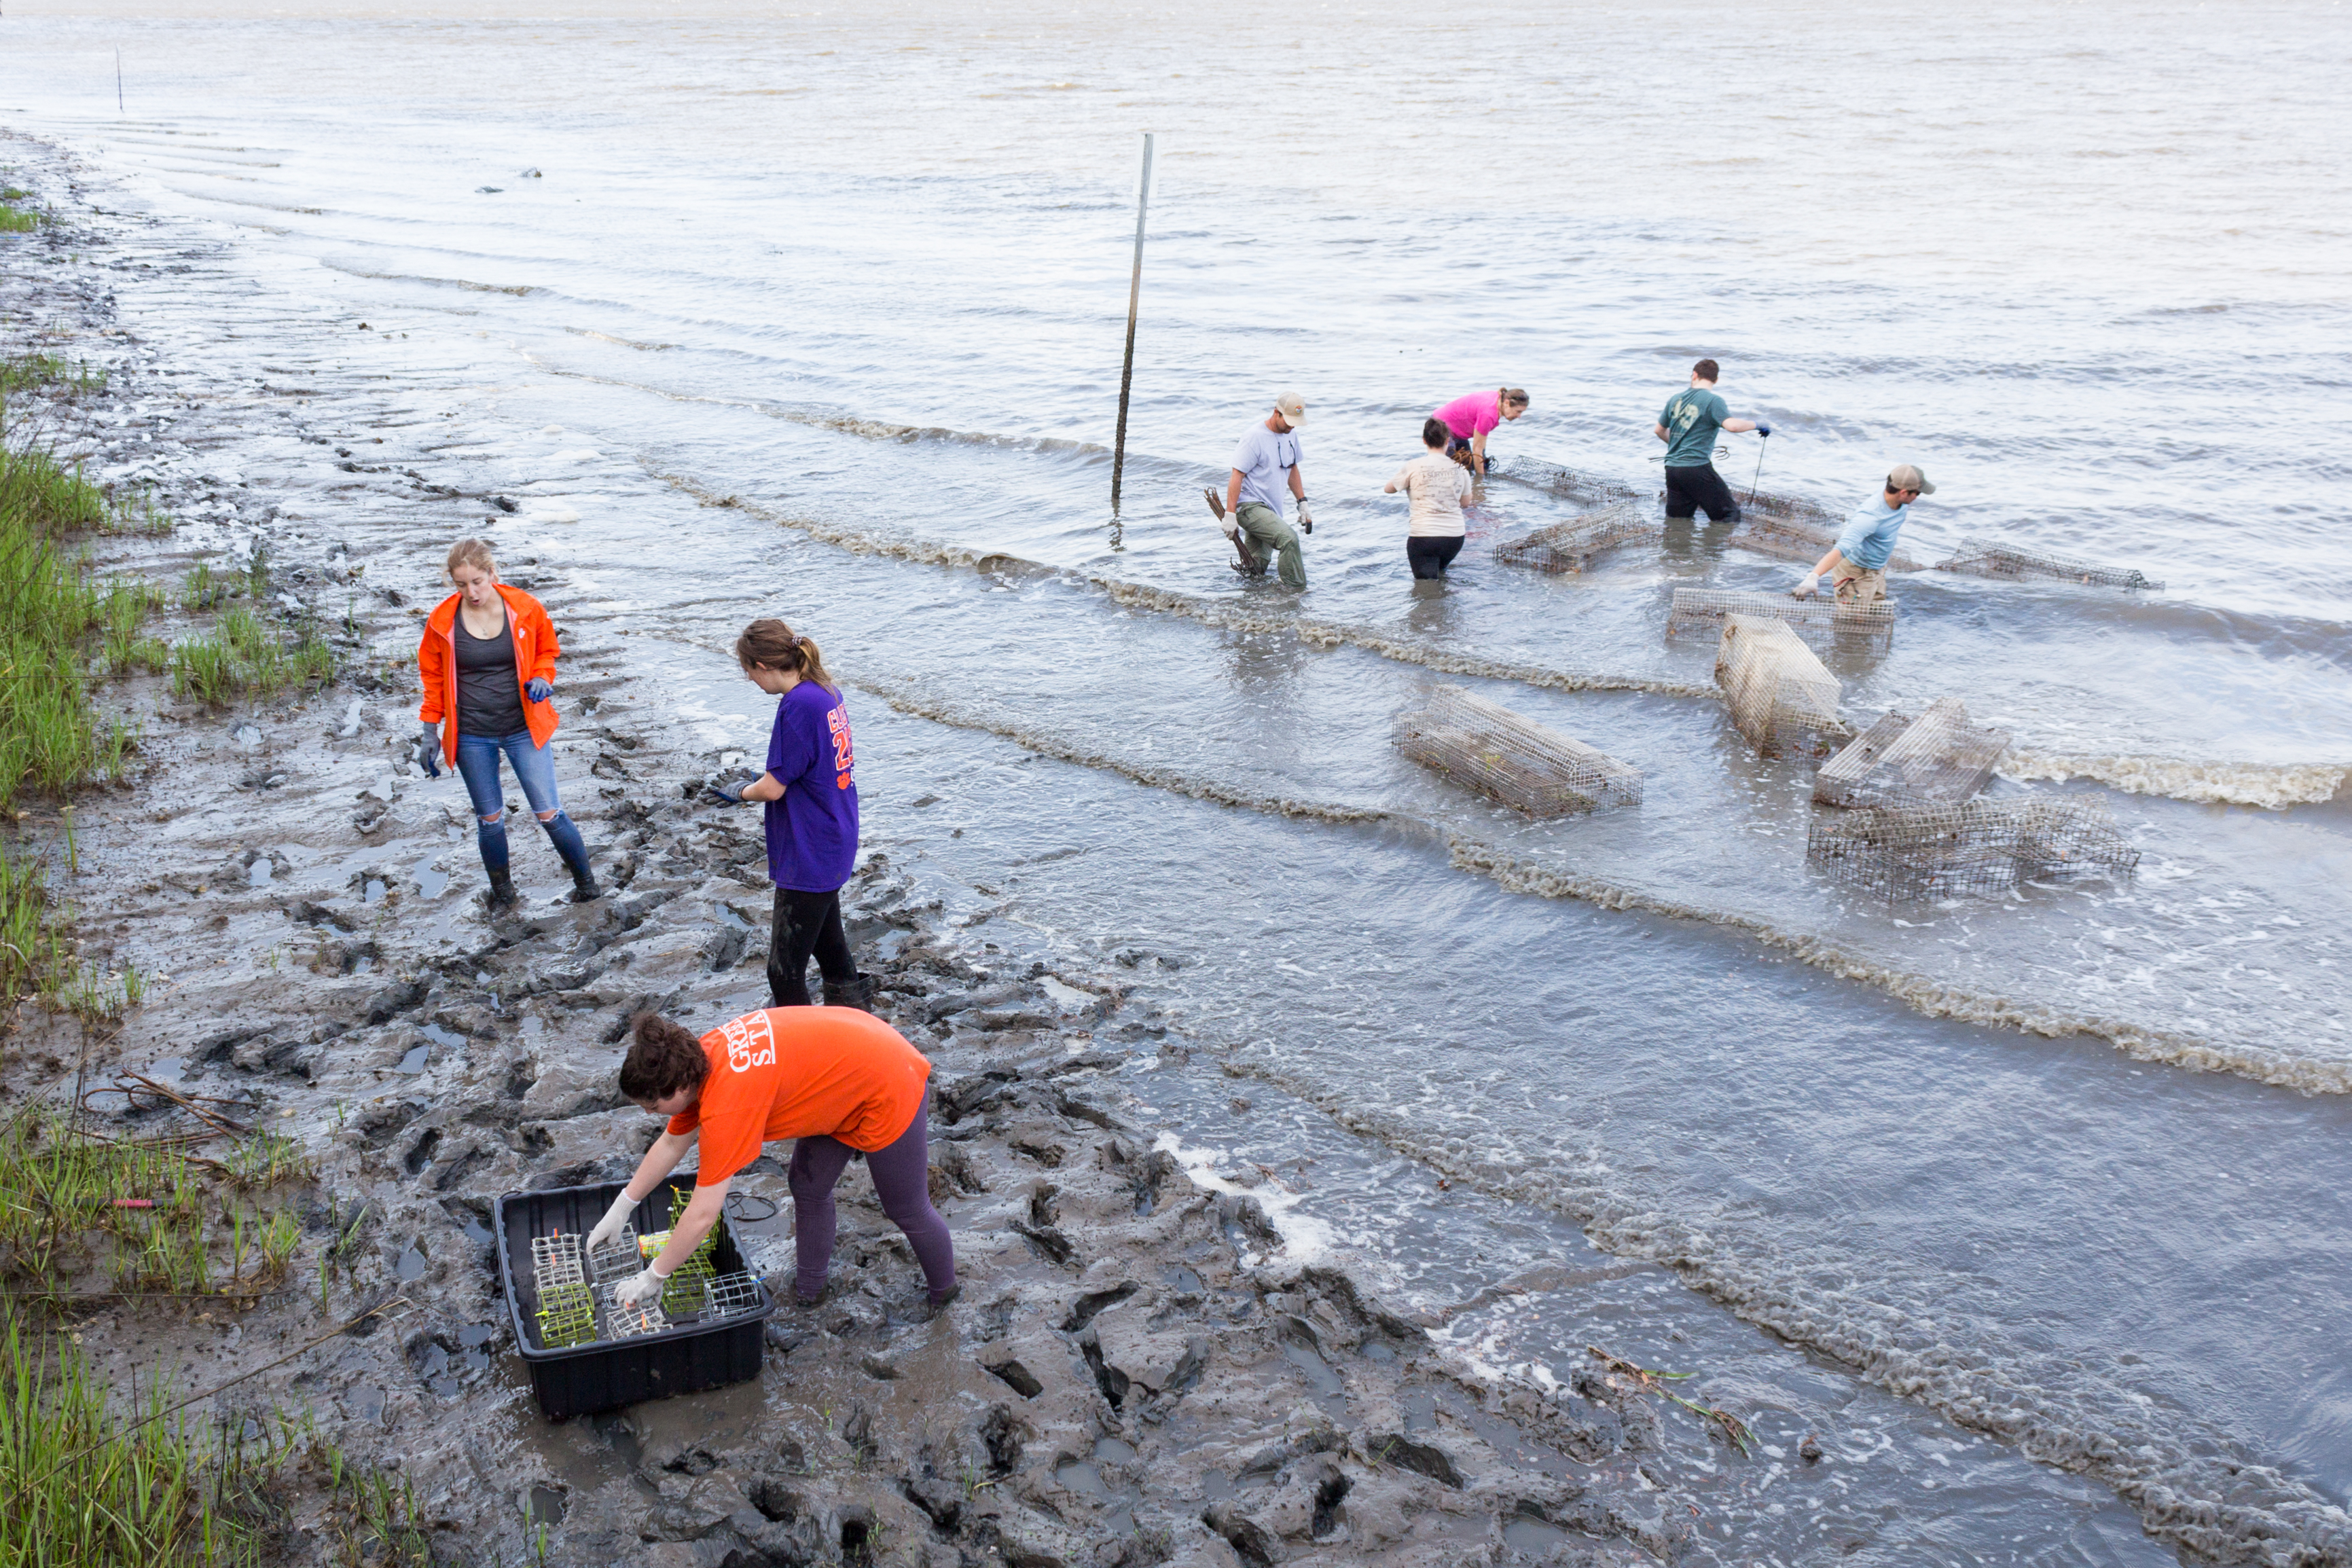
902,1174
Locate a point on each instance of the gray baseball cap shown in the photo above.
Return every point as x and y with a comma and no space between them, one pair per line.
1907,477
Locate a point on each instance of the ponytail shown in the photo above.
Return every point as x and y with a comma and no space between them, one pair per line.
771,645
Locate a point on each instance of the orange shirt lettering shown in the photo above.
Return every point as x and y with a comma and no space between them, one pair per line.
799,1073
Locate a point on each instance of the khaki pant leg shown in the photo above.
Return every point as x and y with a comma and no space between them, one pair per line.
1859,587
1267,536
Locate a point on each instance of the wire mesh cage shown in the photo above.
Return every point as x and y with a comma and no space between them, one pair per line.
623,1321
1575,485
567,1311
567,1315
1793,529
1983,558
616,1260
731,1296
1867,627
1523,765
1978,849
1936,759
1573,545
1777,690
556,1260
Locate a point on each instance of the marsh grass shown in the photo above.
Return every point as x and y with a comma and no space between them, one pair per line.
15,221
34,956
51,611
51,372
84,1483
241,657
377,1522
64,1219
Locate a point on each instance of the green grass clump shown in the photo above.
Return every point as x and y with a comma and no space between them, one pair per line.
34,956
86,1484
63,1234
50,738
28,371
14,221
240,657
204,589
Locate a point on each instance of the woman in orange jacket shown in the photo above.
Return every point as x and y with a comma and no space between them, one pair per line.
488,661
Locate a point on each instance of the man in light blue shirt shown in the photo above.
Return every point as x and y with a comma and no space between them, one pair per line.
1266,464
1857,564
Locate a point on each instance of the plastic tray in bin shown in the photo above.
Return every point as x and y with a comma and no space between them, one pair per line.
708,1351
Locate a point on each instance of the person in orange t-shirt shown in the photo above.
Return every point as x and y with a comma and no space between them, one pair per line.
836,1079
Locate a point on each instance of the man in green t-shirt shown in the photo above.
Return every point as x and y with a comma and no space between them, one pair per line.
1687,426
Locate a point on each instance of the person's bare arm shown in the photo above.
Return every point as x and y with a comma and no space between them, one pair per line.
1478,452
702,1212
1297,484
1659,430
1738,426
659,1161
1233,494
766,787
1829,563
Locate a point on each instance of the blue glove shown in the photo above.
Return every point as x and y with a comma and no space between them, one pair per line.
725,794
1762,428
538,690
429,748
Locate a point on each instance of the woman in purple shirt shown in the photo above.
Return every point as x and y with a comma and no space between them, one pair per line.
811,800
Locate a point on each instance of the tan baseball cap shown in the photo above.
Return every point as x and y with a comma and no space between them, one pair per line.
1904,476
1291,406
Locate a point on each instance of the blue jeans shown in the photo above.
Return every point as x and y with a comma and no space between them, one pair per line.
535,768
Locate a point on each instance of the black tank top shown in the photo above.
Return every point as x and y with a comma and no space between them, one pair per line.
488,702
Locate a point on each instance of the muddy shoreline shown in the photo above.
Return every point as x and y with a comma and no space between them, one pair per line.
1140,1369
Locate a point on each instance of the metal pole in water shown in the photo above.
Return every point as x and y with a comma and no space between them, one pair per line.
1134,297
118,81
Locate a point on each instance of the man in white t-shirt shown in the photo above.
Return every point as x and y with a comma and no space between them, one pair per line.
1266,464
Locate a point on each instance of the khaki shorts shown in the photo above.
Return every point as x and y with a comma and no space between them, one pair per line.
1853,586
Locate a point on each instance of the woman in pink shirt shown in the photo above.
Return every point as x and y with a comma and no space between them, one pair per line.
1471,418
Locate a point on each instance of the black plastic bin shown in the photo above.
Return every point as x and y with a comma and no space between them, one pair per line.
606,1375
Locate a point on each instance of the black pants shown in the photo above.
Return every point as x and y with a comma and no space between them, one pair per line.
1427,556
806,923
1690,489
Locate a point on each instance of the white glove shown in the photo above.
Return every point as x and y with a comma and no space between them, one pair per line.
1807,588
1305,517
640,1289
608,1229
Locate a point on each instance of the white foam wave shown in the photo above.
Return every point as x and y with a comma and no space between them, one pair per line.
2275,785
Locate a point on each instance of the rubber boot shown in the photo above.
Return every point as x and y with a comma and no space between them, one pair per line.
585,889
502,895
855,992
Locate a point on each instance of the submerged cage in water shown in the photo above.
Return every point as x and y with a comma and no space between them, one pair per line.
1791,529
1702,610
1575,485
1936,759
1777,690
1982,848
1571,546
1521,763
1982,558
